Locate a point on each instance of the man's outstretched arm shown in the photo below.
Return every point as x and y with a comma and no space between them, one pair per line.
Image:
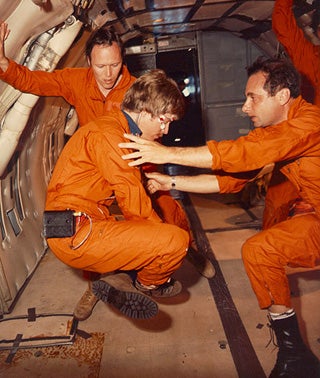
154,152
205,183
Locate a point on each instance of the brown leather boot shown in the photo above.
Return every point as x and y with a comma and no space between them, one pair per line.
118,290
200,262
86,304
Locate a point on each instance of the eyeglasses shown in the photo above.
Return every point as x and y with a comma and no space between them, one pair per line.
164,120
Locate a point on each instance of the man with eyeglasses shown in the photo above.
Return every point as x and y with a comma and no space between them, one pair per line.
89,174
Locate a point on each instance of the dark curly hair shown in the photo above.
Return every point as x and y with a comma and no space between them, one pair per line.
279,73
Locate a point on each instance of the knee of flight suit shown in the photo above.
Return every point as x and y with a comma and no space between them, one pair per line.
167,259
179,243
248,251
256,251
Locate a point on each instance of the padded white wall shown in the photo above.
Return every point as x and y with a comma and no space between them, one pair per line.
23,183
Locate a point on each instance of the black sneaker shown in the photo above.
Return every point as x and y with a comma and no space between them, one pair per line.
118,290
169,289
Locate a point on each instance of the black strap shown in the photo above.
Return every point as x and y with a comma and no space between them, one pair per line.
83,334
14,349
32,314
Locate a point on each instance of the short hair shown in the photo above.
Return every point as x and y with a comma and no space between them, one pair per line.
279,73
155,93
103,36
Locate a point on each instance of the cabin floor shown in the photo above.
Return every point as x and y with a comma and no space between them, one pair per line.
214,328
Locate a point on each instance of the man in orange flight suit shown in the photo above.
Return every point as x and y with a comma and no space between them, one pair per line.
303,53
306,58
89,173
94,91
287,134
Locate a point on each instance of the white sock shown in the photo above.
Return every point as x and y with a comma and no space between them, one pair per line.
283,315
146,287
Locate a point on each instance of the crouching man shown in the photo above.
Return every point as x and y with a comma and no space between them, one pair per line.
286,135
89,175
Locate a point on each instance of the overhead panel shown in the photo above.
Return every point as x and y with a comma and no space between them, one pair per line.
172,3
212,11
158,18
256,10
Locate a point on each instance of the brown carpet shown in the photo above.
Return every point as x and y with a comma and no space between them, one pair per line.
80,359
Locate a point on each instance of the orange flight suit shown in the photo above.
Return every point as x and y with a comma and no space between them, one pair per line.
294,146
88,173
303,53
76,85
79,88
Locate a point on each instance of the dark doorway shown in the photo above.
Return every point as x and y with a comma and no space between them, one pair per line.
182,66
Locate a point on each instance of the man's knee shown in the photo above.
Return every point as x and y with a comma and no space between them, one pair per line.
176,241
248,250
183,242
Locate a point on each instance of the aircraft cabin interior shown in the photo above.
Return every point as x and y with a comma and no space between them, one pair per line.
214,328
